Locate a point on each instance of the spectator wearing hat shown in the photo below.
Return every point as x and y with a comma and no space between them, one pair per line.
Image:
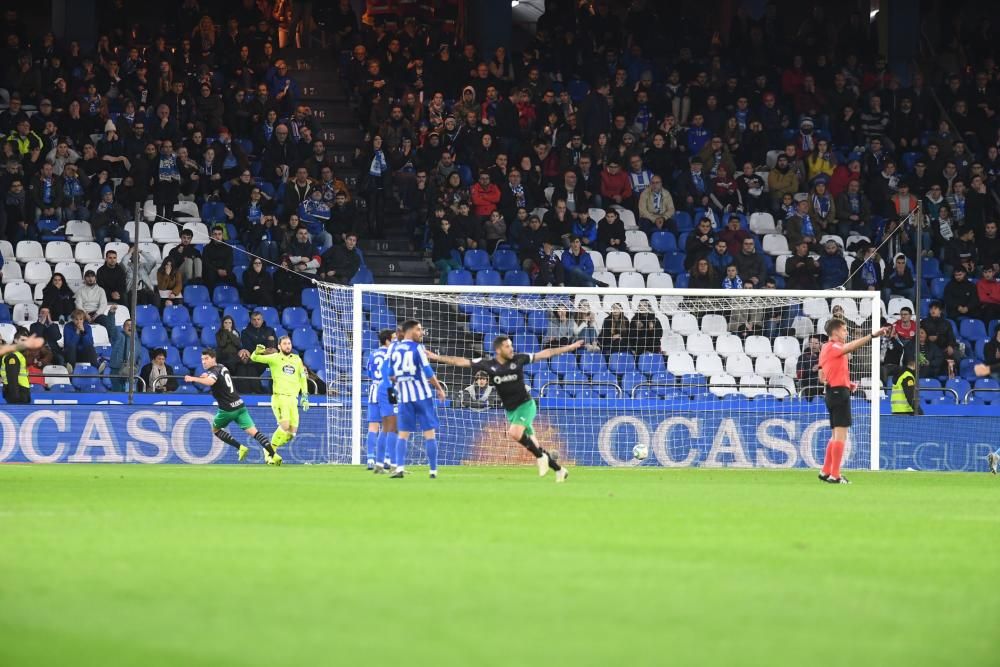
822,208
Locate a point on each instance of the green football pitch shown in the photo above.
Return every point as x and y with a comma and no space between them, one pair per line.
318,565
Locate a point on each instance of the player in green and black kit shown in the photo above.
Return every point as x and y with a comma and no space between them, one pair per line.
231,408
506,374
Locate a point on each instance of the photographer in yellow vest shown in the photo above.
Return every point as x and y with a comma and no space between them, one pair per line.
16,387
903,397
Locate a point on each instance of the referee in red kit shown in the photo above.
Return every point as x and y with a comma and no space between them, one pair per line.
834,372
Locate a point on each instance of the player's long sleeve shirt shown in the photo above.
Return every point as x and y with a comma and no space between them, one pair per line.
288,374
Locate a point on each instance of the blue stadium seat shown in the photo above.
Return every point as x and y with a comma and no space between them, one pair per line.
225,295
516,279
184,335
305,337
364,276
212,212
382,318
314,358
681,280
465,173
459,277
527,343
293,318
931,268
511,321
580,387
651,363
154,335
673,263
316,319
684,222
505,259
174,356
372,300
971,329
176,315
488,277
910,159
629,381
5,315
86,378
578,89
662,242
191,357
593,362
207,337
563,364
937,287
196,295
270,314
310,298
476,260
240,315
603,385
146,315
621,362
538,322
541,379
482,322
205,315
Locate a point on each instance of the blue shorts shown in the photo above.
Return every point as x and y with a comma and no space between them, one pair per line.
382,409
420,414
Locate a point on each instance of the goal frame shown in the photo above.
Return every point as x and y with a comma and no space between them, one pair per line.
357,326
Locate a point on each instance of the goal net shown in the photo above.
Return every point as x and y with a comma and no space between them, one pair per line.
701,378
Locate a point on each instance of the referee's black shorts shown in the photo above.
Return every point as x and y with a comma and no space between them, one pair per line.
838,403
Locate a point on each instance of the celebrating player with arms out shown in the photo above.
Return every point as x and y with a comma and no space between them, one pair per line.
231,407
834,372
288,382
506,373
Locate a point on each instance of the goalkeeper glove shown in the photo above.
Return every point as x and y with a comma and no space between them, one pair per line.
393,399
305,404
259,349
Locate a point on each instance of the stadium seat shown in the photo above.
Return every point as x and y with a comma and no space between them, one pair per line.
310,299
482,322
58,251
685,324
87,379
659,281
138,231
183,335
459,277
119,247
756,346
23,312
488,277
651,363
153,336
79,230
815,308
930,268
29,250
56,376
364,276
621,362
971,329
225,295
768,365
722,384
304,338
511,321
270,315
166,232
37,272
605,278
476,260
714,325
803,326
700,343
937,287
191,357
240,315
205,315
176,316
516,279
781,387
637,241
618,262
505,259
776,244
786,346
597,258
708,364
563,364
628,218
762,224
17,292
647,262
664,242
71,272
196,295
294,317
199,230
146,315
728,344
739,365
631,280
673,263
897,303
12,272
683,221
831,237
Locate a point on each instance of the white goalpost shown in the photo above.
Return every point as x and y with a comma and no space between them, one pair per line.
713,378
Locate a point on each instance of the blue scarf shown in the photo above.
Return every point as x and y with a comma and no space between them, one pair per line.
869,274
822,205
168,168
47,190
378,166
855,201
807,226
699,182
518,192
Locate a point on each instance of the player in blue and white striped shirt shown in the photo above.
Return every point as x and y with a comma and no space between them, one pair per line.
413,378
380,409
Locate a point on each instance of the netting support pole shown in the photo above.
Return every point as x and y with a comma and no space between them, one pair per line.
357,363
876,398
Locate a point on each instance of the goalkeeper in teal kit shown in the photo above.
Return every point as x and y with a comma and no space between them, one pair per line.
288,384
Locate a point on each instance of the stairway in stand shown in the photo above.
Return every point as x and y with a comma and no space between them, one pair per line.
390,260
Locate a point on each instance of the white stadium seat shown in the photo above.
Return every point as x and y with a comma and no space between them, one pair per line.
596,214
791,366
776,244
700,343
166,232
79,230
88,251
100,335
71,272
670,304
7,251
618,262
816,308
606,278
722,384
831,237
39,291
12,272
786,346
637,241
782,387
781,263
647,262
628,218
58,251
631,280
610,300
728,344
714,325
37,271
25,312
122,315
753,385
29,250
150,249
856,238
56,375
680,363
143,233
598,260
18,292
119,247
762,223
672,342
757,345
149,211
769,365
803,326
739,365
659,280
548,193
200,230
8,331
684,323
708,364
92,266
896,304
186,208
850,307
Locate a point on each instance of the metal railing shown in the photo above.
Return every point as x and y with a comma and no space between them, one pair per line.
619,393
980,390
727,385
944,390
